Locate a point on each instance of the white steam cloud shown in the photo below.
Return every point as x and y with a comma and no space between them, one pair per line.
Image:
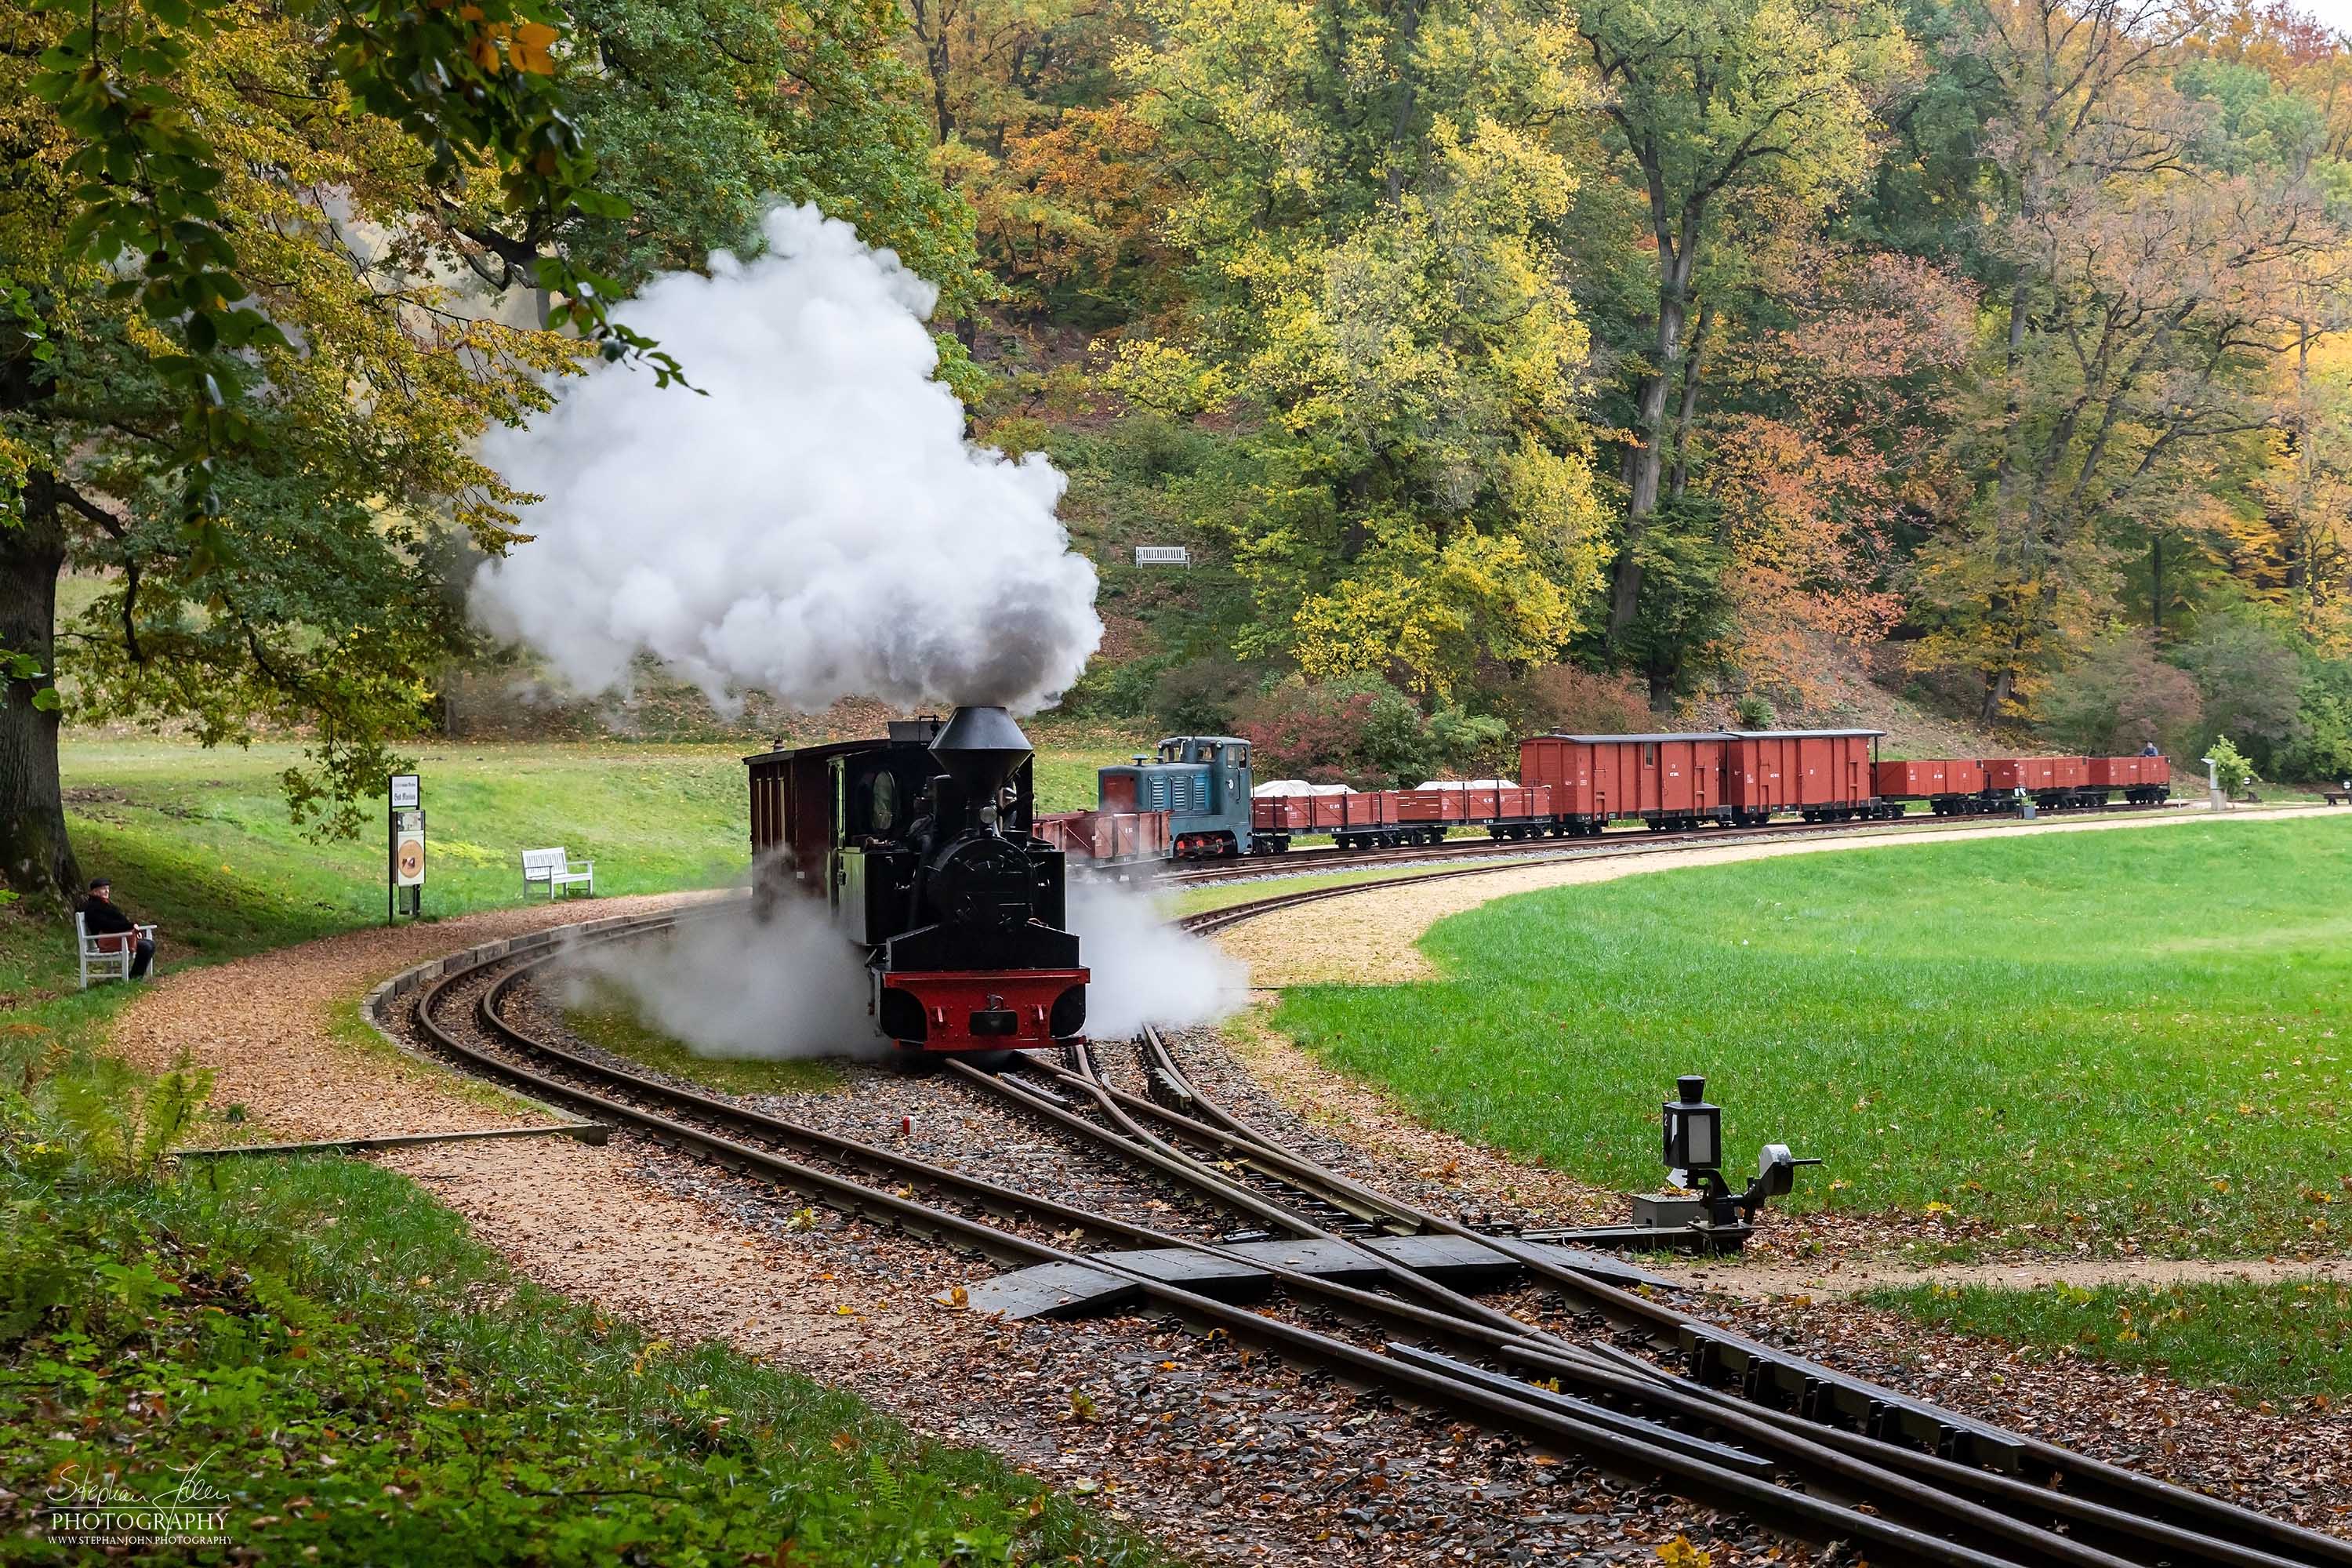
732,984
815,528
1142,970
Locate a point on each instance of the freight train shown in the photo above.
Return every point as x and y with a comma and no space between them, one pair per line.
1196,801
920,845
924,847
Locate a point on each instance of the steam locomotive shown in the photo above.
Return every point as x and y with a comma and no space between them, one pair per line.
920,846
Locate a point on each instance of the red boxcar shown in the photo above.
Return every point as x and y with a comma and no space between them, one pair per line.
1666,781
1821,774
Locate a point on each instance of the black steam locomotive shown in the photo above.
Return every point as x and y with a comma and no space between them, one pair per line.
920,844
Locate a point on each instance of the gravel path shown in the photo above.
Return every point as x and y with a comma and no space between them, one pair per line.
268,1027
1369,938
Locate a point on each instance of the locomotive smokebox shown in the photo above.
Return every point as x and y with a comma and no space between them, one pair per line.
979,748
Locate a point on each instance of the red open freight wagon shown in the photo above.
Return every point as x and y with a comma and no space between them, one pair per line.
2052,782
2145,781
1952,786
1505,811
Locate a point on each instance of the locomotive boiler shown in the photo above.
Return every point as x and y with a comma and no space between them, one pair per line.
920,844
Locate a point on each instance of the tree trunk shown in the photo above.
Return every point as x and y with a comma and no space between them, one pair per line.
1997,690
2155,585
36,856
1645,463
1693,364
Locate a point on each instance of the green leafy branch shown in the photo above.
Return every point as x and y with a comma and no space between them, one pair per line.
471,82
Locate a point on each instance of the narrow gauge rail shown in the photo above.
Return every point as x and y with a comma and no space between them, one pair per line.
1314,862
1628,1417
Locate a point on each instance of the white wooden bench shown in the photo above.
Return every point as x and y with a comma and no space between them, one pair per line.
556,869
109,954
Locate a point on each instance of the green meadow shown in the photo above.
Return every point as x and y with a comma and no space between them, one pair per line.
2128,1036
2291,1340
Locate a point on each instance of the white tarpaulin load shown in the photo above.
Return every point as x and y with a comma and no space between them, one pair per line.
1468,784
1276,787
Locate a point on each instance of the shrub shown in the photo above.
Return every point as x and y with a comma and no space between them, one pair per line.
2119,697
1360,730
2231,769
1203,697
1473,745
1755,711
1579,702
1363,731
2251,681
1116,690
2323,745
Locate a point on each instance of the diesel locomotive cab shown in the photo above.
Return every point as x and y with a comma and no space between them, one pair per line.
920,843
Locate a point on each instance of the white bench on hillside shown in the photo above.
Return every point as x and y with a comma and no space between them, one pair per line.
107,952
556,869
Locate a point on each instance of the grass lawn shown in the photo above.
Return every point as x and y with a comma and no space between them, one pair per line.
199,841
1225,895
352,1378
2093,1036
2280,1341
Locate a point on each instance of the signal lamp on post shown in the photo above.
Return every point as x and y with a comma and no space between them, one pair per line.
1693,1154
1693,1130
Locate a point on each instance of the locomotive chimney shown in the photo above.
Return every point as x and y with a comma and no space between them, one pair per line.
979,748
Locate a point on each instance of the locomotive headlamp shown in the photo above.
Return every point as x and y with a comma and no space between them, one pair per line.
1693,1128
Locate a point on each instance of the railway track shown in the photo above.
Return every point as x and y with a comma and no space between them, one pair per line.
1521,851
1802,1448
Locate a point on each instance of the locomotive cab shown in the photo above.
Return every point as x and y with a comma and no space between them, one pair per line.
1201,782
920,846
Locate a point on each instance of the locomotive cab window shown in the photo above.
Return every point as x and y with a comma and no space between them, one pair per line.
869,801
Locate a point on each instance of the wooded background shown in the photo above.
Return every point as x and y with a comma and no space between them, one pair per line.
1501,363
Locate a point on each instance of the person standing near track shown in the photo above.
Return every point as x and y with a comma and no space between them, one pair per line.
102,917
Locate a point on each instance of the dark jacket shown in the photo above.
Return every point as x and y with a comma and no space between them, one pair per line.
102,917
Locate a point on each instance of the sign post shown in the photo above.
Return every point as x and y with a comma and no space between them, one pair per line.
405,843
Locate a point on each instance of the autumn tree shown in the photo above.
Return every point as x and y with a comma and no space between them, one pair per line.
278,553
1719,105
705,113
2152,266
1372,291
1837,374
1032,130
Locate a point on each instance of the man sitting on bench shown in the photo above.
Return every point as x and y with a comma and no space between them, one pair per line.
100,917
